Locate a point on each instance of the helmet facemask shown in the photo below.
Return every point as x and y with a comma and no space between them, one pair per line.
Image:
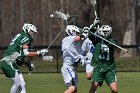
86,30
105,31
32,34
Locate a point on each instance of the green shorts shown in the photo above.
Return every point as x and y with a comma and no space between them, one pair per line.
100,75
8,70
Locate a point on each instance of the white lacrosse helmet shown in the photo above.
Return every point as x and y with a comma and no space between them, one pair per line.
104,30
72,30
85,29
30,29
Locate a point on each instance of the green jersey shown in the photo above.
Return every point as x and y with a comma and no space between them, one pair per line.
16,44
14,55
103,56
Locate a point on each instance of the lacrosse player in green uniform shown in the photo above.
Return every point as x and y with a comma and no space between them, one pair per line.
103,61
14,55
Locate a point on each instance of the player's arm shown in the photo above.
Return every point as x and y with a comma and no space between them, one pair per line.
77,38
31,53
27,52
81,37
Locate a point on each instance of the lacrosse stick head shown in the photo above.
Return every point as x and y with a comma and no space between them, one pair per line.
70,19
62,15
93,2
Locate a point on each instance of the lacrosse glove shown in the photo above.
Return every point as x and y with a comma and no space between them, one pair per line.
42,52
47,58
82,62
95,25
83,36
31,67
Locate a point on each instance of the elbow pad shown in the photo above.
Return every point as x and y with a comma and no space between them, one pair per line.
26,52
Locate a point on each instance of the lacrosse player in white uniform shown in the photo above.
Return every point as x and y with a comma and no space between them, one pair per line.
72,53
88,49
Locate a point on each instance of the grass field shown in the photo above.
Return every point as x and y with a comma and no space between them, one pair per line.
128,82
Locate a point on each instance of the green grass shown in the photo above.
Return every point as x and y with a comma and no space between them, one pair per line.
128,82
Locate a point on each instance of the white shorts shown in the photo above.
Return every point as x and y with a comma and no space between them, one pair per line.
69,74
89,68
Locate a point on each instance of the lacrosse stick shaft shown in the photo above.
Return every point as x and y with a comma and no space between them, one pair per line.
95,12
62,28
109,42
93,3
55,39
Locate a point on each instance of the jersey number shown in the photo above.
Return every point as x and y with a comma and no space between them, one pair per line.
14,39
104,55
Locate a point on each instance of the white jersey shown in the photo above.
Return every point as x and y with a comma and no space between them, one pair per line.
88,48
71,50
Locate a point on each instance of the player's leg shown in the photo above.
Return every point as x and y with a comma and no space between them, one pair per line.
16,83
97,80
113,86
71,88
22,84
94,86
89,71
111,80
70,79
11,73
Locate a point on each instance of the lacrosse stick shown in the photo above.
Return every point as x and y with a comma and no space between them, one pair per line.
55,39
109,41
63,16
93,3
66,17
58,14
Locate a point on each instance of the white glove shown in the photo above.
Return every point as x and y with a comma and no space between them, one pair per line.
42,52
82,62
96,21
32,65
47,58
87,62
95,25
84,36
78,58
